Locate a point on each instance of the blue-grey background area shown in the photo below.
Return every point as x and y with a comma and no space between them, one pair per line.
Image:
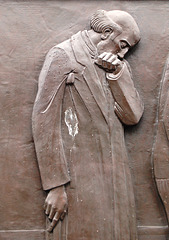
28,29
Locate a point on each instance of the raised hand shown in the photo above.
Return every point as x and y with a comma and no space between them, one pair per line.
109,62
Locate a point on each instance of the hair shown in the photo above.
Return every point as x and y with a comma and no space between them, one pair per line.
100,23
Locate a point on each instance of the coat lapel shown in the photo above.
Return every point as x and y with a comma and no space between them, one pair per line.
90,75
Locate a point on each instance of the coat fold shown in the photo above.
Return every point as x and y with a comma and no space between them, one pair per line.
79,140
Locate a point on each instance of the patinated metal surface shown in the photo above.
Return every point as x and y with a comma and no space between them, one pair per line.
85,94
160,149
28,31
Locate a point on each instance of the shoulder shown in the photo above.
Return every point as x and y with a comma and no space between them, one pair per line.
57,62
58,55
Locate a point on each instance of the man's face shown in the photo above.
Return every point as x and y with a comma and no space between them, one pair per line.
118,45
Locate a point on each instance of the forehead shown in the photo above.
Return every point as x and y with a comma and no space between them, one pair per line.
130,36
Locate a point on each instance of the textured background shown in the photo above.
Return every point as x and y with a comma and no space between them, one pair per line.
28,30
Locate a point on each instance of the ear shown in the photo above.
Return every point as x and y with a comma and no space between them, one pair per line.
105,34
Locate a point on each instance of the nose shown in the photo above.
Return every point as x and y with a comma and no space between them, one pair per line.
122,53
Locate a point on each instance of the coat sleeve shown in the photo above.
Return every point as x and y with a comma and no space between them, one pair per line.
161,146
128,105
164,102
46,119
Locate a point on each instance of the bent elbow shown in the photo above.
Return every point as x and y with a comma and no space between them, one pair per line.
136,116
129,116
134,120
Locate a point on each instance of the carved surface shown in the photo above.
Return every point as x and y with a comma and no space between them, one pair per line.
85,93
28,30
161,148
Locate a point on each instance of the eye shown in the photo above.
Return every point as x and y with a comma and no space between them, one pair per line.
123,44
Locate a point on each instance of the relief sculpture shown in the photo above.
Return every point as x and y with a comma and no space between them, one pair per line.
161,147
85,95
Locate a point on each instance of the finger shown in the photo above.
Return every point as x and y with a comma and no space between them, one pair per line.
45,205
52,212
102,55
112,58
107,56
63,214
48,209
54,222
100,58
109,61
115,63
105,64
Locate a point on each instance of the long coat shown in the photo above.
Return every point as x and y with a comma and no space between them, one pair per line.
79,140
161,147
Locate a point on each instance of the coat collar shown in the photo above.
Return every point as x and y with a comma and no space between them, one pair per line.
83,56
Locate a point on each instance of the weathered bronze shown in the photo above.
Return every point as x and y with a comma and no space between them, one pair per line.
85,94
28,30
161,147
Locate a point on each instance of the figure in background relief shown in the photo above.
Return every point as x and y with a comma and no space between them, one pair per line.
85,95
161,147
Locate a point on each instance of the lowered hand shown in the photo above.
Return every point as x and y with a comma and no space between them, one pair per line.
56,206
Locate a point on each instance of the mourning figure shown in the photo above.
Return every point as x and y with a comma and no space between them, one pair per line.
85,95
161,147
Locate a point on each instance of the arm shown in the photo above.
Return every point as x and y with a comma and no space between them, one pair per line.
46,122
128,105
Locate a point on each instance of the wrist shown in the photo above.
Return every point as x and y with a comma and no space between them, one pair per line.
118,68
117,73
58,189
